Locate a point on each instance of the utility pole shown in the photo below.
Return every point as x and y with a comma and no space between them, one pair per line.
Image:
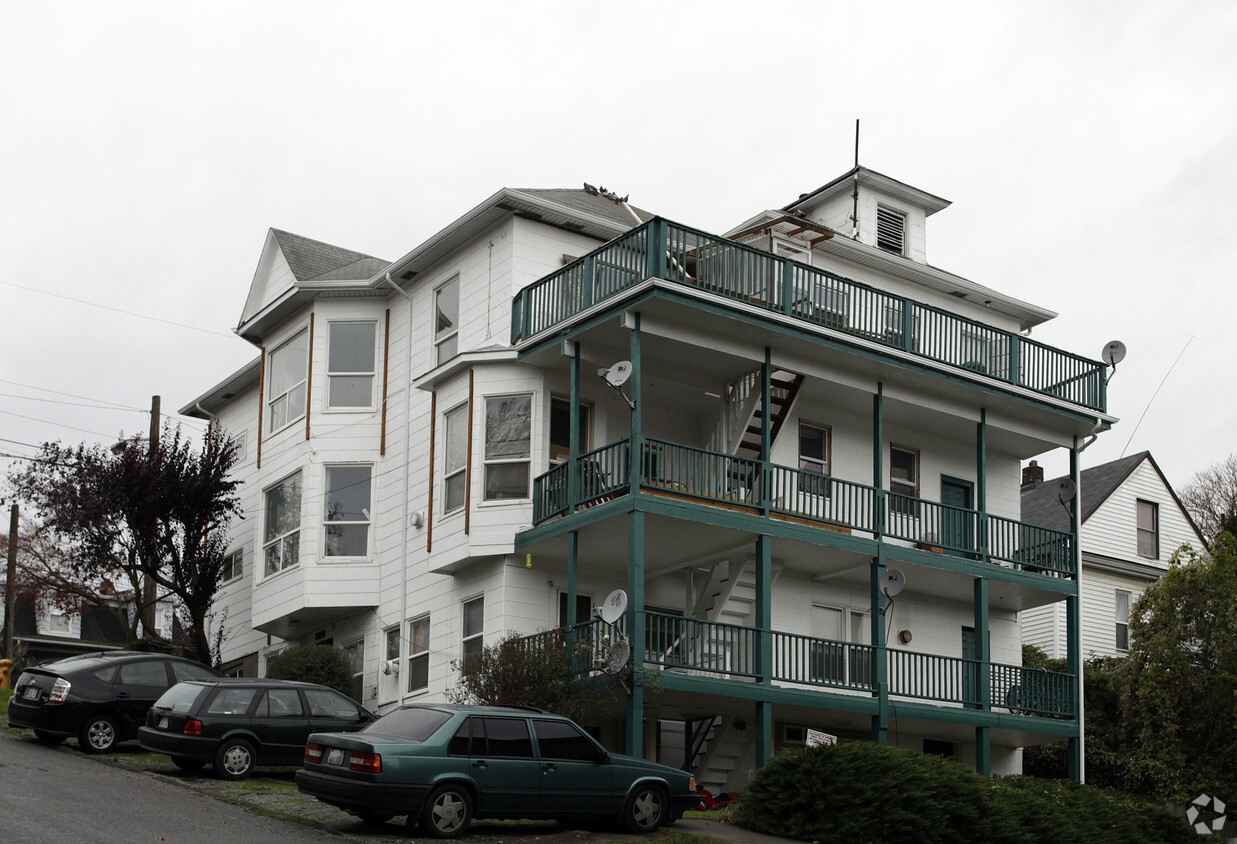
10,586
148,584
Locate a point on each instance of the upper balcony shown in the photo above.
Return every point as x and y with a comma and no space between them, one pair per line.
810,296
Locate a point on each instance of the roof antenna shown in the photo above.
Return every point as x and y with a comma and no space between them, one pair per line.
854,213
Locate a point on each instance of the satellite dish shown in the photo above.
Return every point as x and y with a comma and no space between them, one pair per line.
1113,353
617,375
893,583
612,609
1066,490
616,660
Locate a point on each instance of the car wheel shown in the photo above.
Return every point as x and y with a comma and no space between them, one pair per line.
447,813
99,734
645,809
235,759
47,738
186,763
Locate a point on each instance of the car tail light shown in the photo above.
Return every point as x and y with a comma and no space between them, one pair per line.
313,752
60,690
193,727
365,763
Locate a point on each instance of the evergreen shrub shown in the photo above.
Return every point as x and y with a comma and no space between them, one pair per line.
323,664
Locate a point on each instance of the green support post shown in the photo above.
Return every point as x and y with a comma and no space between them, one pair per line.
788,286
637,438
983,645
981,483
1015,359
656,245
573,577
764,608
983,751
764,732
1073,623
880,721
908,325
635,631
588,282
766,400
878,471
573,442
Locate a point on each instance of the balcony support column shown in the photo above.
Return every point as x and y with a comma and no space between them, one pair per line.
656,245
1073,623
981,484
637,468
766,399
878,471
880,656
764,732
764,608
635,631
573,447
983,654
573,575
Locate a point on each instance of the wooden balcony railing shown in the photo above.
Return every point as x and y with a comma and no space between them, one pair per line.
695,259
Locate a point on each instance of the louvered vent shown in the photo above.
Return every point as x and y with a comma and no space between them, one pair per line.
891,230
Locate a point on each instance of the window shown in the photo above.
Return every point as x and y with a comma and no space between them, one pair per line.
58,620
813,459
282,539
472,638
508,432
241,441
455,460
1123,620
584,608
280,703
233,566
419,654
355,651
350,364
230,701
287,375
447,324
149,672
347,511
890,230
563,741
560,429
507,737
1148,529
903,481
827,658
182,671
324,703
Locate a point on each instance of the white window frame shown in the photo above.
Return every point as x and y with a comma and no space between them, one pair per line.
241,441
233,566
328,522
456,415
268,541
471,642
814,465
57,621
911,508
526,459
288,394
446,341
1152,533
419,653
333,375
1123,599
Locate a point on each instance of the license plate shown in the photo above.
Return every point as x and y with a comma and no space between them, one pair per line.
31,693
163,723
335,756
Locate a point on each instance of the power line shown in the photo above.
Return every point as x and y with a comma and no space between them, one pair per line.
95,406
71,395
118,310
57,424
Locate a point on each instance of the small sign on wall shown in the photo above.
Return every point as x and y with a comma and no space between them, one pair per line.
815,738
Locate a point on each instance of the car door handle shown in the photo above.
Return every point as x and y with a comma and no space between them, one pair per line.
549,768
480,763
122,695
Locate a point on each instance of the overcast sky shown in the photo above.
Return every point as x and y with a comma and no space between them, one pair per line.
1090,151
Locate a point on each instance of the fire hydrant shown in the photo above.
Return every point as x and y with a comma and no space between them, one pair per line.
5,666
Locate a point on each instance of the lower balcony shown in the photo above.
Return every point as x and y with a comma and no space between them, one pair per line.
792,494
296,600
715,650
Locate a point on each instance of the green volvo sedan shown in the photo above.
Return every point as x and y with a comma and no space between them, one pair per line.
443,765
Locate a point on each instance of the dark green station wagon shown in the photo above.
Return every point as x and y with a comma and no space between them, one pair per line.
443,765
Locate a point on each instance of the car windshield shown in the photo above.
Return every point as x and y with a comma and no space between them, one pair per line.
411,724
180,698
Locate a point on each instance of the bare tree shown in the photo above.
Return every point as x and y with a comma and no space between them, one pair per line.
1211,497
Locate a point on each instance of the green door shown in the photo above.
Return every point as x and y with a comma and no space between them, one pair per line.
502,763
957,519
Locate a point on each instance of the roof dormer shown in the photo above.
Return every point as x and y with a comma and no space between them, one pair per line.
873,209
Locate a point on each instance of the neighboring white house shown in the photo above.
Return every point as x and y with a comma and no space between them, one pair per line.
1132,522
813,416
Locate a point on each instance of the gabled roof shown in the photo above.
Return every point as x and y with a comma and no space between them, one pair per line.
313,260
1041,507
930,203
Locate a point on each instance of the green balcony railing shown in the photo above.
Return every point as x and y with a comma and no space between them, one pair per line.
711,477
682,644
692,258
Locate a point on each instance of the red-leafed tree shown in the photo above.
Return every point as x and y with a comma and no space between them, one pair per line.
120,518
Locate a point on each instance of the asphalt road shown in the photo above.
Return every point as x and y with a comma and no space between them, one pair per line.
60,794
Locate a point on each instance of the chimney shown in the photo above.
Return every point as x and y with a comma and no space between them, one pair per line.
1032,476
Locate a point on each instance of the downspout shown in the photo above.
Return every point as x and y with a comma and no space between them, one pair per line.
403,571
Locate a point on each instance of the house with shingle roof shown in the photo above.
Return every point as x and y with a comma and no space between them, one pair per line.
1132,523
